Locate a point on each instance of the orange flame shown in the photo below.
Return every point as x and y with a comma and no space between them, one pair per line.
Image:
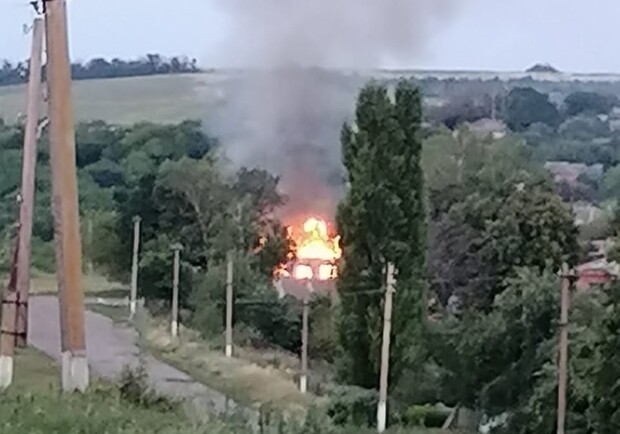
316,251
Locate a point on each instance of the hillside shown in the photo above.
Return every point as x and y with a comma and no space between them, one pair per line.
163,98
172,98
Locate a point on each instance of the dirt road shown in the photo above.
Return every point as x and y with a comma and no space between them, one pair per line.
111,347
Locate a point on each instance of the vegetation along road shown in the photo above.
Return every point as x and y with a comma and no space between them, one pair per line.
113,348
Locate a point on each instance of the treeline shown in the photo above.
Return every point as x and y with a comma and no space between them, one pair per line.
151,64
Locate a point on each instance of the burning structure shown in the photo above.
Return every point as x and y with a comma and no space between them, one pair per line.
313,262
285,112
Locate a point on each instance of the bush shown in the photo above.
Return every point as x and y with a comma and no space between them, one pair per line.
322,339
425,416
43,256
134,389
257,306
350,405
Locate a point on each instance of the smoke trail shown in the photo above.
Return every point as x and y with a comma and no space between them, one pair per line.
286,115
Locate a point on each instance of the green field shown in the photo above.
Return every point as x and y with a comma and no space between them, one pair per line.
163,98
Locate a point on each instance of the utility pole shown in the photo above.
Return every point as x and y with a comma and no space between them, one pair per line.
303,379
563,359
134,266
385,350
14,308
89,243
29,164
65,200
174,324
7,336
229,305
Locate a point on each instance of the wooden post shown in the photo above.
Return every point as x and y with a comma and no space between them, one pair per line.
29,163
174,324
385,350
65,200
229,306
303,379
134,266
563,357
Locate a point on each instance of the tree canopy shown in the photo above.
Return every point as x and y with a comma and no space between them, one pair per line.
382,220
525,106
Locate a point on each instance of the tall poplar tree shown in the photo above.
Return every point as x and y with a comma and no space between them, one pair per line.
382,219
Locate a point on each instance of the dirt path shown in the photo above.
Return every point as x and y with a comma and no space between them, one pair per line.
111,347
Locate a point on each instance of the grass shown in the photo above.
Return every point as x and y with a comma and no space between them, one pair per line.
252,377
164,99
35,373
34,404
94,285
248,382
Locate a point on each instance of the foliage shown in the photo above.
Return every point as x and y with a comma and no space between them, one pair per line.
257,305
152,64
491,209
425,416
349,405
381,220
584,128
134,388
611,182
525,106
491,360
589,102
462,109
606,391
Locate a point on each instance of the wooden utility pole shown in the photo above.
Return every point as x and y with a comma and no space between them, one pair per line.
229,306
29,164
174,323
14,304
134,266
65,200
385,350
563,358
303,379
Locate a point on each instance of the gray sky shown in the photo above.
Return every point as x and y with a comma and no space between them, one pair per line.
573,35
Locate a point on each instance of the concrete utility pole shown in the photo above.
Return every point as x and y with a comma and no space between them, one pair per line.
7,336
89,243
29,164
303,379
65,200
563,359
174,324
14,304
385,350
229,306
134,266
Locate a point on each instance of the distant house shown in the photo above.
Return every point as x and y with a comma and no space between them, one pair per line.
597,272
488,127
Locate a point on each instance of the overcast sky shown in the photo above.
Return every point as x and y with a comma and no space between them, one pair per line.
573,35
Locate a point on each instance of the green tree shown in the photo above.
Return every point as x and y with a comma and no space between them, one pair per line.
525,106
611,183
607,375
382,220
589,102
